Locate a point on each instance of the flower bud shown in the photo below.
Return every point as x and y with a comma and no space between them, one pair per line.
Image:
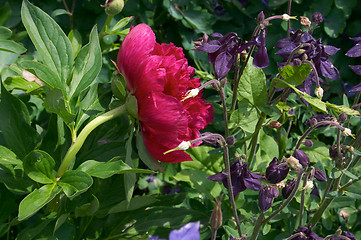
230,140
302,157
276,172
213,141
260,17
333,152
342,117
296,62
309,185
191,94
294,163
305,22
223,82
286,191
113,7
320,175
266,196
308,143
344,214
317,18
291,112
216,217
286,17
182,146
350,235
319,92
275,124
347,132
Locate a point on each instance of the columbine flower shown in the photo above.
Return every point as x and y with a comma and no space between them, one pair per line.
276,172
261,59
159,77
241,176
266,196
355,51
307,232
320,175
188,231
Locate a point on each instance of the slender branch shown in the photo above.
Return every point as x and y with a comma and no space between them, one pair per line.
302,203
257,226
255,138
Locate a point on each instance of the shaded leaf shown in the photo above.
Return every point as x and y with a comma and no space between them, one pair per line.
39,166
11,46
75,182
8,157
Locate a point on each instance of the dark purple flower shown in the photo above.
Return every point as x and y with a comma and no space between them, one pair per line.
307,232
241,176
355,51
286,191
266,196
334,153
276,172
261,59
320,175
315,191
301,157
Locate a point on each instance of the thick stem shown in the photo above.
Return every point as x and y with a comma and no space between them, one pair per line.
105,28
257,226
79,141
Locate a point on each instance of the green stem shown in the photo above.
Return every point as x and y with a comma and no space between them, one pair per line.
105,28
255,138
257,226
79,141
302,204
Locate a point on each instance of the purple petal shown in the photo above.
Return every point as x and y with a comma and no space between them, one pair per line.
260,59
210,47
331,50
356,88
223,64
355,51
350,235
219,177
252,184
188,231
218,35
328,70
356,69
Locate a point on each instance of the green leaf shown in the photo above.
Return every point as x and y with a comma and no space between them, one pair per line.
5,33
36,200
107,169
145,156
58,12
135,203
39,166
17,82
129,178
87,209
336,23
342,201
293,75
15,127
346,6
14,180
342,108
87,65
49,40
316,103
350,175
75,182
11,46
252,86
245,118
75,40
120,24
8,157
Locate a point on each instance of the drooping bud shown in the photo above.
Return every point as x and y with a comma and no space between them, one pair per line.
320,175
275,124
230,140
305,22
266,196
302,157
309,185
113,7
191,93
308,143
296,62
291,112
213,141
317,18
276,172
319,92
342,117
216,218
260,17
182,146
286,191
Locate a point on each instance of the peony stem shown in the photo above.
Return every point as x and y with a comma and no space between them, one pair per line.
79,141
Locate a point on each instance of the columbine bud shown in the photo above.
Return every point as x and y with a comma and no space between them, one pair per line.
286,191
347,132
342,117
266,196
113,7
294,163
182,146
260,17
302,157
276,172
216,217
317,18
230,140
223,82
308,143
309,185
191,93
319,92
296,62
275,124
320,175
287,17
305,22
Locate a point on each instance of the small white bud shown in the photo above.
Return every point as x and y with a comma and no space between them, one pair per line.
294,163
182,146
191,93
287,17
319,92
347,132
309,185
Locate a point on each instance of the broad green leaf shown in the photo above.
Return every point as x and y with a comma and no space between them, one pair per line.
145,156
135,203
293,75
336,23
75,182
5,13
268,149
199,19
49,40
107,169
318,152
252,86
11,46
75,40
204,160
36,200
16,82
346,6
121,23
244,118
342,108
129,178
45,74
8,157
58,12
39,166
342,201
15,127
5,33
87,65
316,103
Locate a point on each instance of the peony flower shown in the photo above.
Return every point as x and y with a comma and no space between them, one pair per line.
159,77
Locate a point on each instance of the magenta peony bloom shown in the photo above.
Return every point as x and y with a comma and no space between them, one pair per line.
159,77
